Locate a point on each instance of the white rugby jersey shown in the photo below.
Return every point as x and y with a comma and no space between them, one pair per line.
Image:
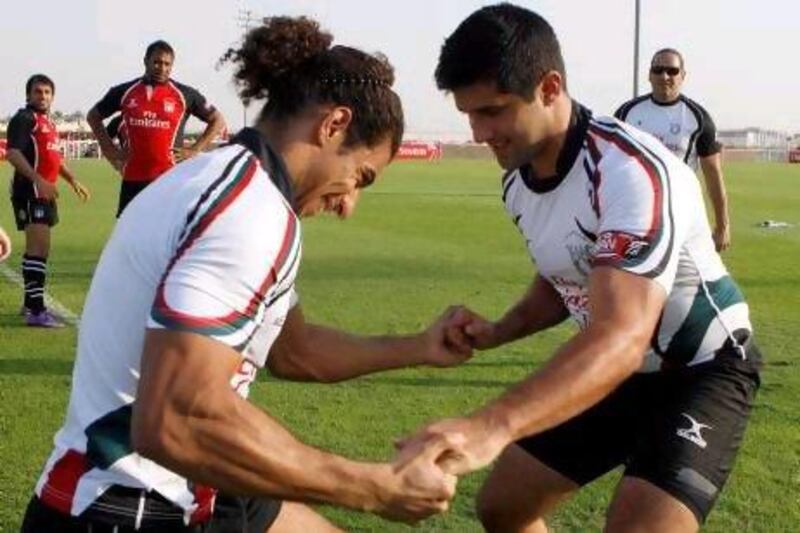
621,198
683,125
211,247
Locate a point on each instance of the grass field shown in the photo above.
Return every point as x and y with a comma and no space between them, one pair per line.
427,235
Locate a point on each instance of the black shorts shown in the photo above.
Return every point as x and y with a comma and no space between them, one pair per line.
116,511
128,191
34,211
679,429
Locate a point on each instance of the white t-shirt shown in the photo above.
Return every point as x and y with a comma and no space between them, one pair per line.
211,247
684,126
621,198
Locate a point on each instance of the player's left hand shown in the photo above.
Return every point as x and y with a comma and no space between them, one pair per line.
467,444
722,238
81,191
5,245
437,346
184,153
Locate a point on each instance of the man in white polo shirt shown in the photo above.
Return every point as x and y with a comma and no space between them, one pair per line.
684,127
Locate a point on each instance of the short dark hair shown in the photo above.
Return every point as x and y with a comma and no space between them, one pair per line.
158,46
39,79
505,44
668,51
290,63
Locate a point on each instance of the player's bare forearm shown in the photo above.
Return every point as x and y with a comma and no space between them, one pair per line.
540,308
66,174
95,122
715,185
216,124
309,352
20,164
624,309
188,419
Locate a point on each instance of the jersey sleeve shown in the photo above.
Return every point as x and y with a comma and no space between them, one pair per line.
707,143
112,101
636,230
20,129
223,277
196,103
622,111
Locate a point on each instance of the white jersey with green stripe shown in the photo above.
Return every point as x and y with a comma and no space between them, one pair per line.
620,198
212,247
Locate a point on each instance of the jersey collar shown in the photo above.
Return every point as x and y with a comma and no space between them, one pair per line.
573,142
29,107
147,80
666,104
271,161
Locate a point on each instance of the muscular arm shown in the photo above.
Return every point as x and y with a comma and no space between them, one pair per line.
309,352
107,146
21,165
624,309
44,189
539,309
187,418
715,185
216,123
80,190
66,174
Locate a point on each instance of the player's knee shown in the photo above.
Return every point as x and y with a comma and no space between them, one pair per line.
496,514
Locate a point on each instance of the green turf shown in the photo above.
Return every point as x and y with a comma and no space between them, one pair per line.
427,235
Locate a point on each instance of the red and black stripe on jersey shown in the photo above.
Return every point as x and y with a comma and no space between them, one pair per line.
153,117
36,137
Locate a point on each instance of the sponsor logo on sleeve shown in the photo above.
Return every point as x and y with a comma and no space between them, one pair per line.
618,246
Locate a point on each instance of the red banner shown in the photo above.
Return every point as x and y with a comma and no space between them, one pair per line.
794,155
428,151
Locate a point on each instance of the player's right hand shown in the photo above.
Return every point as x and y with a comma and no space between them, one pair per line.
416,489
117,157
468,328
45,189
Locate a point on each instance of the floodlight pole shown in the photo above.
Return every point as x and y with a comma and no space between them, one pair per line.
246,18
636,50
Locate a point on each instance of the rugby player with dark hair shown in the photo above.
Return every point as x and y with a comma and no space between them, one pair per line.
154,110
35,153
159,434
662,373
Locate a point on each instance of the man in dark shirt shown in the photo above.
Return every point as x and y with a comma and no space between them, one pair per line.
34,152
154,109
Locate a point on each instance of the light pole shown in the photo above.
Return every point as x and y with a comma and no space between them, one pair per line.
246,19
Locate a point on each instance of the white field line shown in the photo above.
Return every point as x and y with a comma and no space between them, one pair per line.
68,316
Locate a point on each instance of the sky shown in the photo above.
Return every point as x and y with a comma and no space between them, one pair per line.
741,55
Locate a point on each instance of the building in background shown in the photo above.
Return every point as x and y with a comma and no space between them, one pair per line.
753,138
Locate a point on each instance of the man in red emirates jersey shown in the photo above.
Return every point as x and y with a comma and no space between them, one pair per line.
154,110
33,151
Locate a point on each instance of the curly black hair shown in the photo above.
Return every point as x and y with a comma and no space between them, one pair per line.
289,61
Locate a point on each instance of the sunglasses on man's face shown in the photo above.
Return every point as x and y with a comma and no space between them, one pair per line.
659,70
